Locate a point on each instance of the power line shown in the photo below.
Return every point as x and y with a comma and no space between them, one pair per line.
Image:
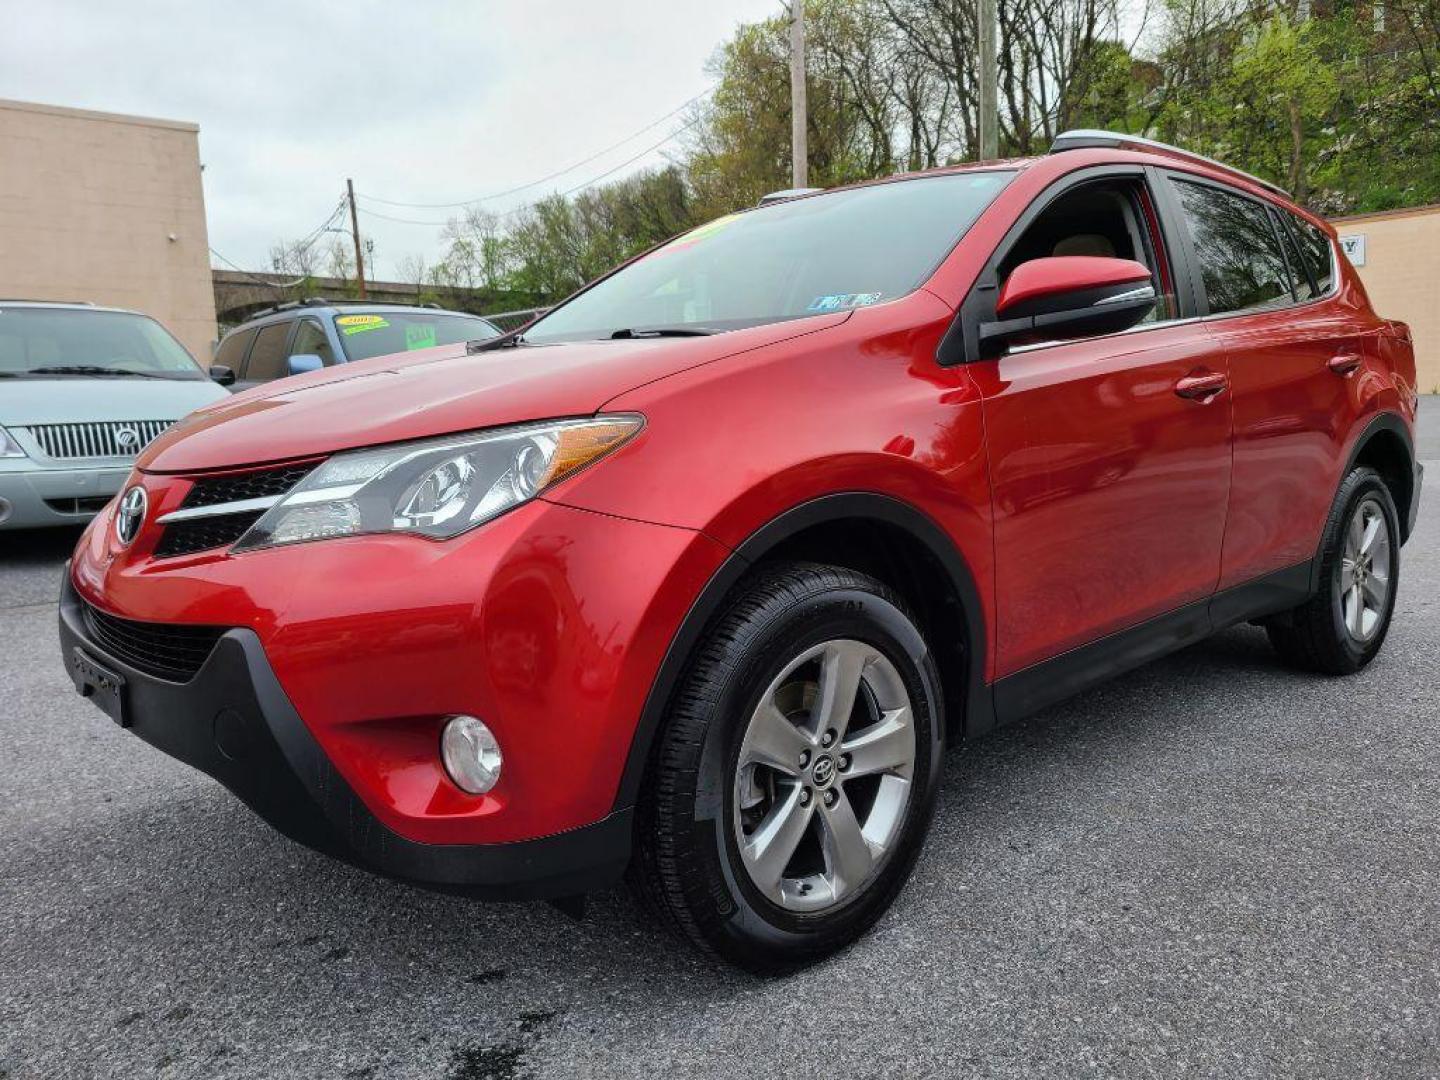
302,245
544,179
561,194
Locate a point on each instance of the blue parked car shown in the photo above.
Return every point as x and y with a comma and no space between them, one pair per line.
310,334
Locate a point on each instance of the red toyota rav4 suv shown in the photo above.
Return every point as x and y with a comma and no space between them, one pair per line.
698,575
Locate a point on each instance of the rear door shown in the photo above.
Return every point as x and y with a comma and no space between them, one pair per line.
1269,299
1109,488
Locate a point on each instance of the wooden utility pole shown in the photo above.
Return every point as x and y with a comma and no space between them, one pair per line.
799,152
355,232
989,82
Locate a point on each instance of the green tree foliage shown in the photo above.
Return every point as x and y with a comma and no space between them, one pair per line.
1336,100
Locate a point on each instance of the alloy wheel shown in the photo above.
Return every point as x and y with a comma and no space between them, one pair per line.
824,776
1365,568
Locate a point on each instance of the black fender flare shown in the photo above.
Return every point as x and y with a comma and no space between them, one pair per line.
979,708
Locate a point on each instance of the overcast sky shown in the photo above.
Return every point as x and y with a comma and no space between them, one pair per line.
423,101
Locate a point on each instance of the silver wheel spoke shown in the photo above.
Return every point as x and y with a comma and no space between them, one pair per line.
841,668
1375,594
848,857
888,746
1354,613
1372,530
774,741
801,840
774,842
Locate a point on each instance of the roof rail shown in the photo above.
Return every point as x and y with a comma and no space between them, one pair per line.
1083,138
788,193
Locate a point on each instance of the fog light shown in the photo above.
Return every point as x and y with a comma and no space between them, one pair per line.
471,754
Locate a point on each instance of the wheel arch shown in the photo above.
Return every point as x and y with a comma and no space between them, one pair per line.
889,539
1385,445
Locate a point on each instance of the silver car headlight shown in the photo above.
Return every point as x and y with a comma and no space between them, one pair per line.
437,488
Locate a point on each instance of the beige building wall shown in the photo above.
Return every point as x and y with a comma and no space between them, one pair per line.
1402,276
106,208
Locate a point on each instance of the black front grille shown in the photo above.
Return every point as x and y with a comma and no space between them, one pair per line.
166,650
204,533
259,484
201,534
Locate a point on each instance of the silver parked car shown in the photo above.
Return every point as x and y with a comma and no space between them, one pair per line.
82,390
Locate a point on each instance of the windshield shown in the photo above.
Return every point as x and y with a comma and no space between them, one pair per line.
46,342
830,252
380,332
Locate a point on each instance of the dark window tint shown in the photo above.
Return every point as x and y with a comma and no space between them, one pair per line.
310,340
232,350
1304,289
1240,258
269,358
1316,251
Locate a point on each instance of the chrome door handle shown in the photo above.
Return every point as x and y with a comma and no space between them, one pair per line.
1345,363
1203,387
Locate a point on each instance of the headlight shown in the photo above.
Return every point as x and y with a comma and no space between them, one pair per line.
438,488
8,446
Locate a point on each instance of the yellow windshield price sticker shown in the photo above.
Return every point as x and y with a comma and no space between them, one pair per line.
358,324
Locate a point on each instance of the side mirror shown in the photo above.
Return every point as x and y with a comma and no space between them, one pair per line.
222,374
300,363
1070,296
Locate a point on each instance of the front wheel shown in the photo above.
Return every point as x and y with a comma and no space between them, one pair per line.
1341,628
795,777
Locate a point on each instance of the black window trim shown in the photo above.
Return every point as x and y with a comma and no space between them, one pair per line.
1198,284
960,345
1292,223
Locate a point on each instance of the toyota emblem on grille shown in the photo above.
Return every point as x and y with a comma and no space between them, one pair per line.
131,514
127,439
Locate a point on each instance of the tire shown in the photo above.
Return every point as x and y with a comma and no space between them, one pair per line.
725,793
1324,634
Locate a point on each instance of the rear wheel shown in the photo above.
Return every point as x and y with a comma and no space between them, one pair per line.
795,777
1342,627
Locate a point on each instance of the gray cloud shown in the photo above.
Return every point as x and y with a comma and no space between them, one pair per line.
430,101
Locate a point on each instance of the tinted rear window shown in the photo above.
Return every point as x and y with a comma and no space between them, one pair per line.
1316,252
1240,257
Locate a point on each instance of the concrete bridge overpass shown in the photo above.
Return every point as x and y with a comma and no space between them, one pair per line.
239,295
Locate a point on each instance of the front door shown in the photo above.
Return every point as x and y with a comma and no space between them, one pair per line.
1110,487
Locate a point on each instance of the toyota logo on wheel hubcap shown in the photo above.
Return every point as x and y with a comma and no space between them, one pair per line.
824,770
131,515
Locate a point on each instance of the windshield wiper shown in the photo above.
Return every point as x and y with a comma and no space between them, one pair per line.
665,331
504,341
91,369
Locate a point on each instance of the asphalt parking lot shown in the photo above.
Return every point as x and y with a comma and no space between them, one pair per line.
1209,867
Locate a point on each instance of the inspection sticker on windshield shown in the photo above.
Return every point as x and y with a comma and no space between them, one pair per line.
843,301
358,324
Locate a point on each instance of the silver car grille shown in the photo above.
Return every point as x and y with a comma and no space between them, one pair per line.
107,439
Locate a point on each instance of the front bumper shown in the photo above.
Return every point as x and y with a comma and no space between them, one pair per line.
34,497
234,721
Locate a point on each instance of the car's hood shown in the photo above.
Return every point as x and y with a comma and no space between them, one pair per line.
438,392
73,399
